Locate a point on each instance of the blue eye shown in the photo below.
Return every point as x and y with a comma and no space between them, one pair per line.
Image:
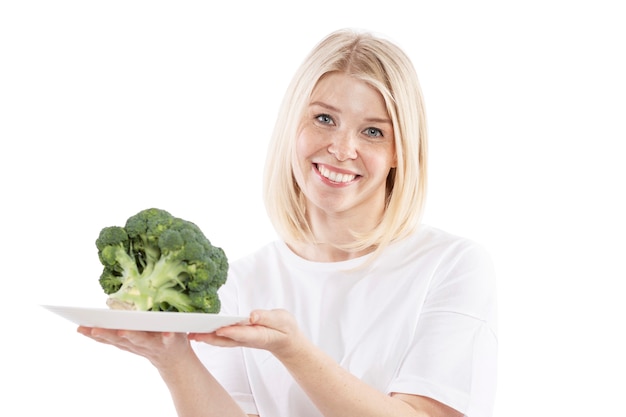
324,118
373,132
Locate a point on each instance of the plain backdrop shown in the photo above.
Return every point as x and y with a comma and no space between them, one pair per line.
107,108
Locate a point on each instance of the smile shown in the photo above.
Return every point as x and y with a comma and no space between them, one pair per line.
335,176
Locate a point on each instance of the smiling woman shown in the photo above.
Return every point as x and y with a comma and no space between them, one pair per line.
344,187
389,101
345,152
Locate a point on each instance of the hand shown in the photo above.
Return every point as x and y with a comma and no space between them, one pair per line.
272,330
162,349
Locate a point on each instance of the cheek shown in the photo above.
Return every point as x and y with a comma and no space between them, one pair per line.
301,147
378,163
299,162
305,144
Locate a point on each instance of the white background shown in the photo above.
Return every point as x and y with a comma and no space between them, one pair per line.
107,108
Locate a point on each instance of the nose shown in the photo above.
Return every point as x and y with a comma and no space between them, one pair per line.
343,147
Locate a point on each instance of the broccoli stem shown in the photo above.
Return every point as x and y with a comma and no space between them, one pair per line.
153,285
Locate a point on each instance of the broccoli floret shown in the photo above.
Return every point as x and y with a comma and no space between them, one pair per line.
158,262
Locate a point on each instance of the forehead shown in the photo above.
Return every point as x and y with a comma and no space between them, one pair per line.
340,89
335,80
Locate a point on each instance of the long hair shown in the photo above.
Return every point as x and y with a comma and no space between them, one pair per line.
385,67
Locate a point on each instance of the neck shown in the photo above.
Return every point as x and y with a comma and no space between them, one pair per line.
332,233
324,252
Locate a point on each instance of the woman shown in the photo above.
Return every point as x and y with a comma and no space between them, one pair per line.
359,310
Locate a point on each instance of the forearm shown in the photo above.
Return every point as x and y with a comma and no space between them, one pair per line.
332,389
196,393
335,391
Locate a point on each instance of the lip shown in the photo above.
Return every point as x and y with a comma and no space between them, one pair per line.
317,167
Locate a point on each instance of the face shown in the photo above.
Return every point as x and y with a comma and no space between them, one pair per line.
345,149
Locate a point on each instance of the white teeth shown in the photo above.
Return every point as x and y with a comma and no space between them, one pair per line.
335,176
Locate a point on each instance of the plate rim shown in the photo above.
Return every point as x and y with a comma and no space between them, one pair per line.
178,322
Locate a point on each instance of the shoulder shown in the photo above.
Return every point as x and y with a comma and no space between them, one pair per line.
429,243
264,258
247,274
462,273
456,255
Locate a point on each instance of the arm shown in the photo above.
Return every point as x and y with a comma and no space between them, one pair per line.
334,390
194,390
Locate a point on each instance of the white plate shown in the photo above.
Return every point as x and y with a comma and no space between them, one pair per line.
151,321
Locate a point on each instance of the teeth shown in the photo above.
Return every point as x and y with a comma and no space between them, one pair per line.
335,176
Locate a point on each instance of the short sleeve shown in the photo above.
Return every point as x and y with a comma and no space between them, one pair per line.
453,355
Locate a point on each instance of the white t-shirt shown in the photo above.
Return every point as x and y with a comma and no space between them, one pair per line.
421,319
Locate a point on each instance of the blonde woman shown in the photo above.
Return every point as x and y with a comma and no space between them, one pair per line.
359,309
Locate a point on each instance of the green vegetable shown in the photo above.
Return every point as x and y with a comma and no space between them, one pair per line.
158,262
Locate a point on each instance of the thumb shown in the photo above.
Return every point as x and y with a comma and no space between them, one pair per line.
278,319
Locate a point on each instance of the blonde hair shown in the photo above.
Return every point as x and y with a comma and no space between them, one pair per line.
386,67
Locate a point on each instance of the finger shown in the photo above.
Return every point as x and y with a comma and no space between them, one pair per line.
241,334
123,339
213,339
101,335
168,338
277,319
265,328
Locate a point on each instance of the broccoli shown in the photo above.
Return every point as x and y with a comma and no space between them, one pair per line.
158,262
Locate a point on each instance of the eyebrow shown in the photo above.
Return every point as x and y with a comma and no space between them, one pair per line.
336,110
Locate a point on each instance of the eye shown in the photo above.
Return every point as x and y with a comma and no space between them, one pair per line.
324,119
373,132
